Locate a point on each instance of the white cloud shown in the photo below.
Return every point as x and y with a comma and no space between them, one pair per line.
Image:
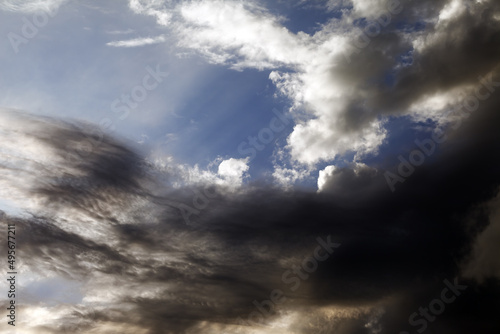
234,170
286,177
324,176
229,176
241,34
453,9
120,32
137,42
156,8
369,8
356,177
31,6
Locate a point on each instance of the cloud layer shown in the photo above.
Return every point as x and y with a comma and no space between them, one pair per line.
115,227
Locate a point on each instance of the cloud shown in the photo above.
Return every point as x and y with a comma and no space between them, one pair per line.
287,177
229,175
31,6
131,43
234,170
483,263
351,181
242,34
158,9
120,32
97,215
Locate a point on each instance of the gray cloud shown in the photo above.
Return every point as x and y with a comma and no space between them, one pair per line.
106,225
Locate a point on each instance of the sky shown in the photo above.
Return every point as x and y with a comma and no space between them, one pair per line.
253,167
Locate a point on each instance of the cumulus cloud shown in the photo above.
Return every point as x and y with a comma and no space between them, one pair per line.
234,170
357,178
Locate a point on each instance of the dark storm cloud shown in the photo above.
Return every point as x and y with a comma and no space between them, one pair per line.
458,52
468,48
396,249
58,249
483,262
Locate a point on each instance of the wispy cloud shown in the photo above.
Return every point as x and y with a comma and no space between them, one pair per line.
31,6
120,32
136,42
